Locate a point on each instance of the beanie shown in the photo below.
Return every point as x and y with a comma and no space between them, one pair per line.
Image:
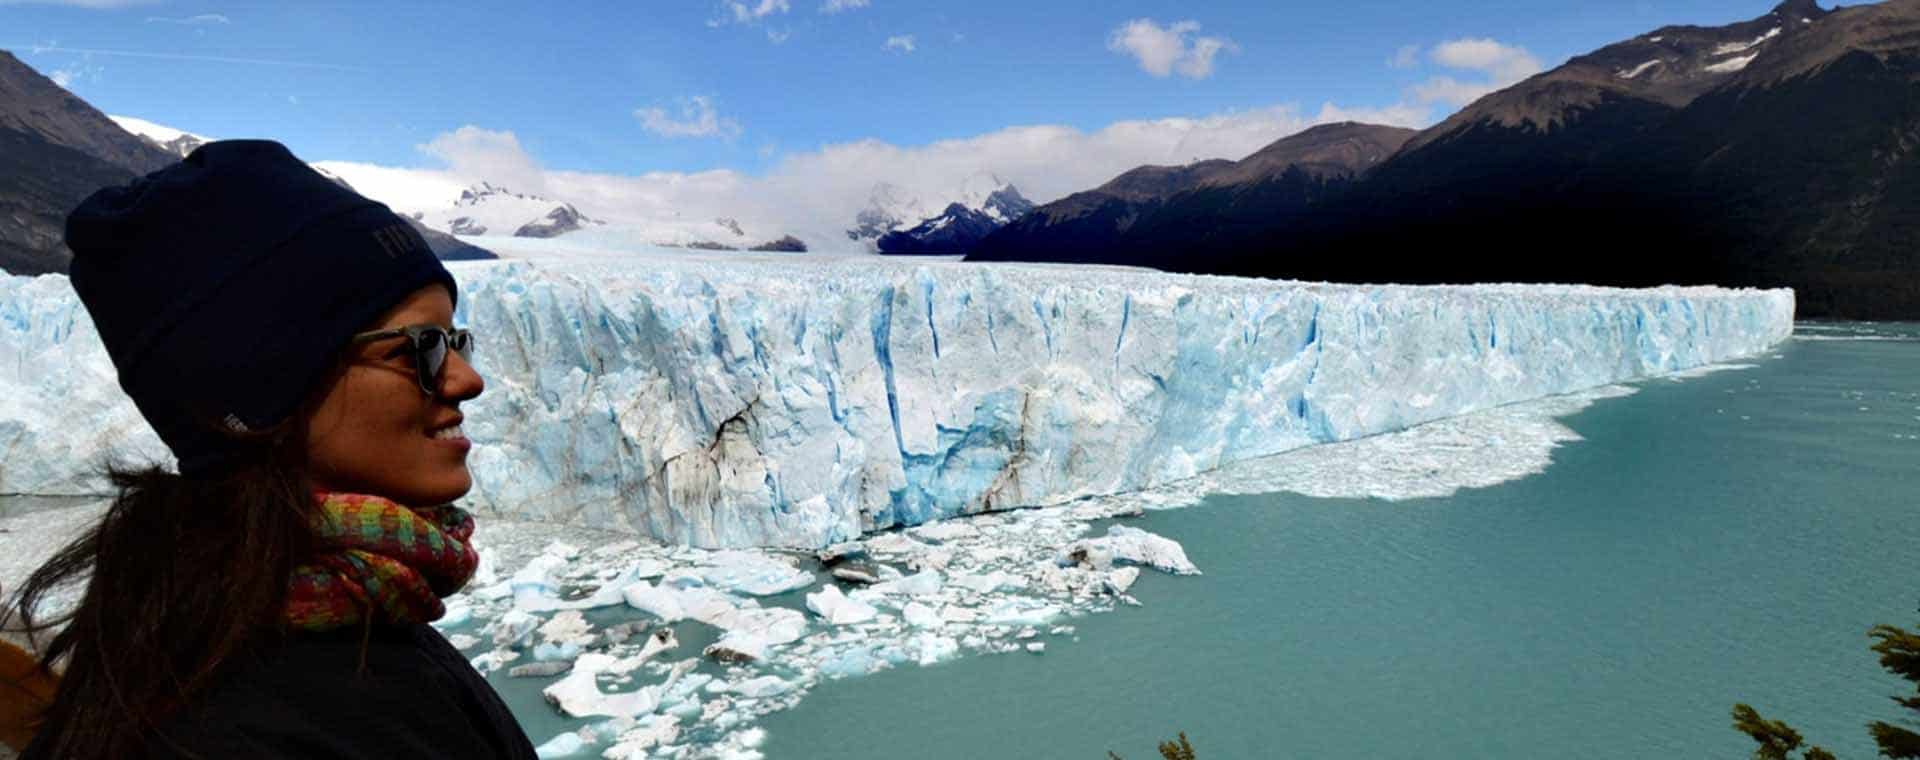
226,285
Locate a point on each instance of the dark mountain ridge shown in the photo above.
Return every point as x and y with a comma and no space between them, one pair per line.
1085,226
1776,151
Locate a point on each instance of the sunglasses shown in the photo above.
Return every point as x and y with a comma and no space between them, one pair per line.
429,344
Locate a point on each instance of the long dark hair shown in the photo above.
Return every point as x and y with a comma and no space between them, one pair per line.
182,575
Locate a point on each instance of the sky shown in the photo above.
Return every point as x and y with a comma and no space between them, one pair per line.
841,93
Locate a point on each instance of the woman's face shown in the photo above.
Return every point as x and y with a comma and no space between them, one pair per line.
375,432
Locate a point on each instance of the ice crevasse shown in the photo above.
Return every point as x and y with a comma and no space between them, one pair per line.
760,402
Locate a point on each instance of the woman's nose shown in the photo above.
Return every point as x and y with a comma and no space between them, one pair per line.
459,381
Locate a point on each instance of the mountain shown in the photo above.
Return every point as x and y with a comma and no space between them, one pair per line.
166,138
1098,224
958,228
892,208
1774,151
55,150
487,209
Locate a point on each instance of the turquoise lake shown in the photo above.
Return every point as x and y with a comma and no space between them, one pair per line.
1727,538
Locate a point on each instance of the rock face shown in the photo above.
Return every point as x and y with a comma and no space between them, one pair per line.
897,220
959,228
1778,151
563,219
786,244
1097,225
802,403
55,150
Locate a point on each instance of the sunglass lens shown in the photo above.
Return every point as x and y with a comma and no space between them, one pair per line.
432,348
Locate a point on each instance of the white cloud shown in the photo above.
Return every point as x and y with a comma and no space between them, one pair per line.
749,12
778,37
836,6
1166,50
1499,65
64,78
1505,63
696,118
203,19
1407,57
1452,92
483,154
900,42
815,194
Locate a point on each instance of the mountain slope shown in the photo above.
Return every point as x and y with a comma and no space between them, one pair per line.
1774,151
55,150
1100,224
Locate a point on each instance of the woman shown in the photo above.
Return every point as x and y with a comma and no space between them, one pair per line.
292,343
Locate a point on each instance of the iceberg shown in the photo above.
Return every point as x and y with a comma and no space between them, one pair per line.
759,402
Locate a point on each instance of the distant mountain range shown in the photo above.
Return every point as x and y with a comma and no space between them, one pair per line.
55,150
1775,151
897,221
959,227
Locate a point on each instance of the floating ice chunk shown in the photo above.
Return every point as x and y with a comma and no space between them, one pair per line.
769,626
1037,647
539,669
1134,545
754,573
568,627
925,583
656,731
670,603
551,652
894,543
957,614
579,693
921,616
946,530
1121,579
513,627
833,605
1021,610
934,648
564,745
457,614
988,583
761,688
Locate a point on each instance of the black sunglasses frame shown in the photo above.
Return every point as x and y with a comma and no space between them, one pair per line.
427,368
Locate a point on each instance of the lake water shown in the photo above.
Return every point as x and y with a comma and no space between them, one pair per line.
1728,538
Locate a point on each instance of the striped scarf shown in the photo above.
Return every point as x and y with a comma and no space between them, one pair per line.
382,558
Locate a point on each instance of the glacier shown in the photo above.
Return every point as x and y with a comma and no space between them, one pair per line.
741,401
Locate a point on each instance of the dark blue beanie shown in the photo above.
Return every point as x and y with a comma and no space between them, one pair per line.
225,286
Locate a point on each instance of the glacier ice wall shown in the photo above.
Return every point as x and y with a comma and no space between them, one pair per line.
798,403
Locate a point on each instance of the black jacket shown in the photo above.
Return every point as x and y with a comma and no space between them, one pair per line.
306,698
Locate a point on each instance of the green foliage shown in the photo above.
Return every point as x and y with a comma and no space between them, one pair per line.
1777,740
1180,750
1899,652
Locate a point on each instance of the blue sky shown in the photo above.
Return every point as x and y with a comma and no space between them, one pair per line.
742,86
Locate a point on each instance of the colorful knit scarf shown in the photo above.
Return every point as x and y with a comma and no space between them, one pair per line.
380,558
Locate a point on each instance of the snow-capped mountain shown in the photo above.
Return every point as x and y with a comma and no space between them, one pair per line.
174,141
958,228
982,201
487,209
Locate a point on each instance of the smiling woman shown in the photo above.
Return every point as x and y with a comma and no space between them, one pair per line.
292,343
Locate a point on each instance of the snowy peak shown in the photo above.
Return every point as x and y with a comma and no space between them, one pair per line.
895,209
987,204
176,142
489,209
1006,204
